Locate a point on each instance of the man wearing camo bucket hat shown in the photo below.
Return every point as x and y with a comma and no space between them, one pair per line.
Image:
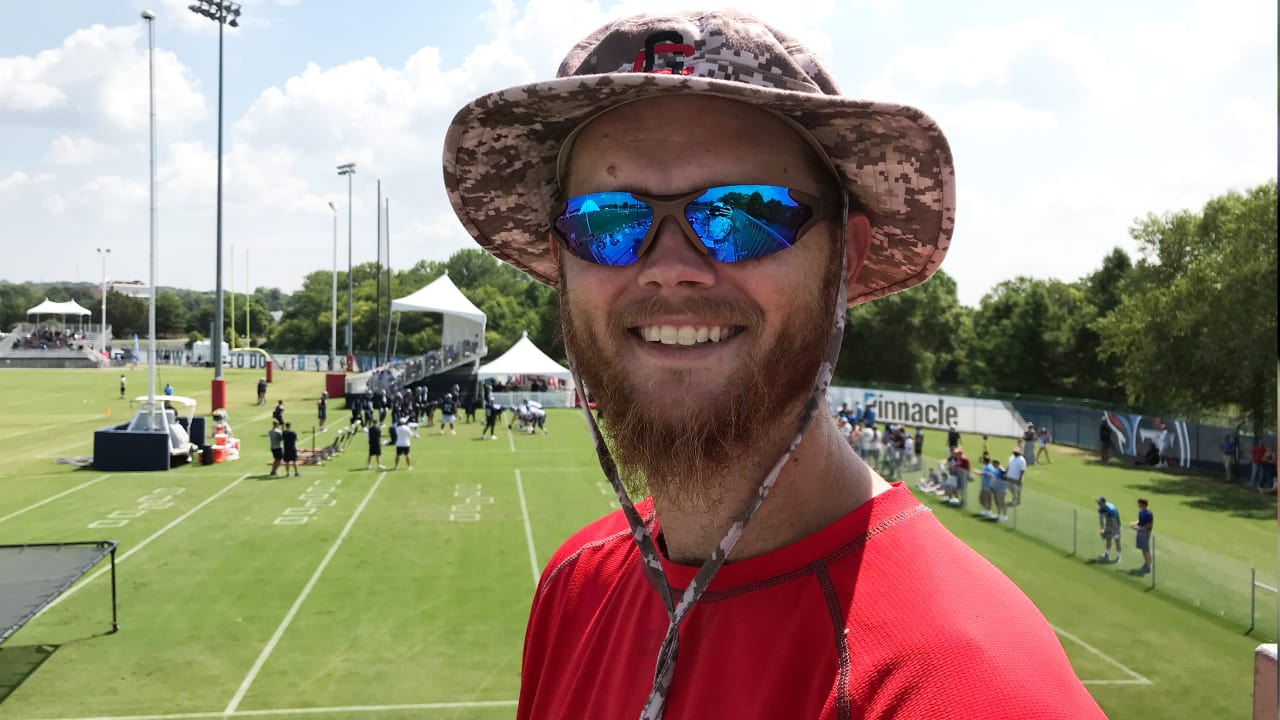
707,205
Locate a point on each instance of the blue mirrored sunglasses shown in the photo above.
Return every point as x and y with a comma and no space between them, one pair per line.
731,222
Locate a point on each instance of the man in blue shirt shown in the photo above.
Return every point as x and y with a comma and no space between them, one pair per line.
1109,528
1144,523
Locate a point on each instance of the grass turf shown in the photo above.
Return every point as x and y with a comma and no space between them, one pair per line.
406,598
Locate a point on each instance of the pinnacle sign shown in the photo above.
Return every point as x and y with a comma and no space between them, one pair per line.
970,415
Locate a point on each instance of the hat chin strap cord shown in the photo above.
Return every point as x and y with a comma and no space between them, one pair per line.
651,561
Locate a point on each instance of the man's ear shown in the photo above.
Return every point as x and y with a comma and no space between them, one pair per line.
857,243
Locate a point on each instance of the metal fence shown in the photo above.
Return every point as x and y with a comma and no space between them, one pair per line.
1225,587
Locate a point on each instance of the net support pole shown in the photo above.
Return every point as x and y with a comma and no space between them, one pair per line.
115,618
1253,596
1075,516
1152,542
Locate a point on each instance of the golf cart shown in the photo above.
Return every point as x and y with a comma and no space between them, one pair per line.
158,437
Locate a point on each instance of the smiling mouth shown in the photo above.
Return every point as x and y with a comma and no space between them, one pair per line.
686,334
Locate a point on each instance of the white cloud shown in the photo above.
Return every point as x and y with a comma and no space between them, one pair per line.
15,180
993,117
1249,114
72,151
97,79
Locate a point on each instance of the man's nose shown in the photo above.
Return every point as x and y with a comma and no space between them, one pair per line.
674,260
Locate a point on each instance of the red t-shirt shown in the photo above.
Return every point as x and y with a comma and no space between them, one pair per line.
882,614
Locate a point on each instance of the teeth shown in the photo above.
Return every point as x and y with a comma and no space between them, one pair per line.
685,334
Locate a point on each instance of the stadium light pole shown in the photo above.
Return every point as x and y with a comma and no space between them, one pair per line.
223,12
349,169
333,304
150,17
103,253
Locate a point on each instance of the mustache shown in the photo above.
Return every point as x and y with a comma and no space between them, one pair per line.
721,310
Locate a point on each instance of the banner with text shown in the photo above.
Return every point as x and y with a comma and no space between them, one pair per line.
969,415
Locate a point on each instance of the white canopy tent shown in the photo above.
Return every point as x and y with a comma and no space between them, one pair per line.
462,319
48,307
524,358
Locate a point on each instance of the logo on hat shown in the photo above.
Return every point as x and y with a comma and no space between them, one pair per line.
666,41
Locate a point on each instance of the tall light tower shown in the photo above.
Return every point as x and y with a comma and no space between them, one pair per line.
223,12
104,252
349,169
150,17
333,305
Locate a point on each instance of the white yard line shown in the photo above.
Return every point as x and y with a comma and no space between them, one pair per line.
311,711
1135,678
48,500
528,529
1264,586
42,428
511,438
139,546
302,597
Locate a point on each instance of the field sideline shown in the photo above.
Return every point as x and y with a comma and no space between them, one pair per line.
406,596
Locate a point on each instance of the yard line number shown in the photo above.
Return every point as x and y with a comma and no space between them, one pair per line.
158,499
469,502
318,496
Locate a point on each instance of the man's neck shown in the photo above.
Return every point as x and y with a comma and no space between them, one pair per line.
821,482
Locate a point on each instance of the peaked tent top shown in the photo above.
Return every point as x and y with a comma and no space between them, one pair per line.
48,307
441,296
524,358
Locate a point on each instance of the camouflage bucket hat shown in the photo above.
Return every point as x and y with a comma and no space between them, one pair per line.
501,150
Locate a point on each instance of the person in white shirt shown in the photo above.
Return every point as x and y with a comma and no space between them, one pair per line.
1014,474
403,433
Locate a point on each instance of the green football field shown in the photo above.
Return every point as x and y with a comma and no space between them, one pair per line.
385,595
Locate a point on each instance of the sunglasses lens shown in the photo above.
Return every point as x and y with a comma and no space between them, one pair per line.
605,228
745,222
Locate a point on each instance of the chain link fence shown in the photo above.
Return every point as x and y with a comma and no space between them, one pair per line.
1225,587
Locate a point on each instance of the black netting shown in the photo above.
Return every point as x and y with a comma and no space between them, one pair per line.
31,576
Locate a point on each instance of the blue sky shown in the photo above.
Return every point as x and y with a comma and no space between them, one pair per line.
1067,120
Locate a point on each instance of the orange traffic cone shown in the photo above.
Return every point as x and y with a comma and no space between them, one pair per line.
108,411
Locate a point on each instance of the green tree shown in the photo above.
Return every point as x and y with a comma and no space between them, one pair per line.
171,316
1196,329
916,337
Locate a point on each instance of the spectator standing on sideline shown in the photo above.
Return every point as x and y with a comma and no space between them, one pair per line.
985,493
1257,454
262,391
375,446
919,448
1042,442
402,445
124,384
712,426
999,486
1015,474
168,389
290,439
1228,449
1108,528
1029,444
322,409
1104,438
953,438
276,436
1144,524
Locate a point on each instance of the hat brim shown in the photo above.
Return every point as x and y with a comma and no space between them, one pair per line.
501,151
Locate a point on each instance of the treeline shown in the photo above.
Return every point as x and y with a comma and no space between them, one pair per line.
1188,327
